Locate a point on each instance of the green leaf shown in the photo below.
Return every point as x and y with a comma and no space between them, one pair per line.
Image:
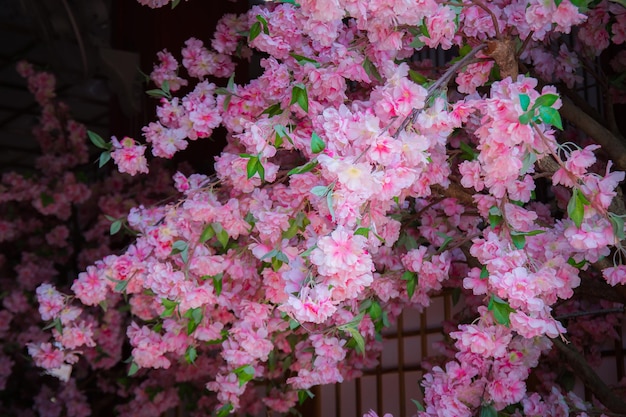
292,231
253,166
133,369
226,102
261,170
576,208
617,223
159,93
524,101
488,411
362,231
178,247
371,70
244,374
121,285
230,84
550,116
526,118
303,168
456,295
224,410
282,132
575,264
273,110
255,30
317,144
224,336
484,274
357,337
56,323
207,233
222,91
304,60
282,257
303,395
501,310
263,22
278,142
545,100
446,241
529,233
104,158
165,86
115,227
417,78
175,3
424,29
170,307
98,141
217,282
191,354
419,406
518,240
195,318
468,152
495,216
320,190
375,310
46,199
417,43
529,160
411,282
410,287
293,324
408,275
222,235
308,251
299,95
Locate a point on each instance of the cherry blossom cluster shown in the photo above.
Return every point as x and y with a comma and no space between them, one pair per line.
351,187
56,222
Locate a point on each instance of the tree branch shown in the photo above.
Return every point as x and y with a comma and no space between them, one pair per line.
591,380
441,81
612,144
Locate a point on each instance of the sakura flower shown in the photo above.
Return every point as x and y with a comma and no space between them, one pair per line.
129,156
615,275
51,302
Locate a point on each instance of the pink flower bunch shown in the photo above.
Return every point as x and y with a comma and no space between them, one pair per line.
52,227
128,156
338,200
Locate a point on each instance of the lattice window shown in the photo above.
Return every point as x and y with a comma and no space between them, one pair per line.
390,387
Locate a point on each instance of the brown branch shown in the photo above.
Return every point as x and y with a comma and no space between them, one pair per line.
591,380
494,20
455,191
589,313
443,80
612,144
519,52
503,52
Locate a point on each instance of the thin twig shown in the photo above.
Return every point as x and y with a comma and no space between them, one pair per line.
441,81
590,313
524,45
591,379
493,16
